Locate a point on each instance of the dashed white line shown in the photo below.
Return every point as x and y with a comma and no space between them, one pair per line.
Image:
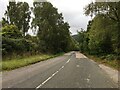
68,61
43,82
78,66
62,66
55,73
88,80
51,76
60,69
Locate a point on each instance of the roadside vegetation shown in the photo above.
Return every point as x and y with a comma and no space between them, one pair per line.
111,63
101,40
50,34
24,61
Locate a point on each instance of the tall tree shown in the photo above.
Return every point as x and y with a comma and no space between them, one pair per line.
51,27
83,40
19,14
100,35
111,10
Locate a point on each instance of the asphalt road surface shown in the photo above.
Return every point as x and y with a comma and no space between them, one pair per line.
65,71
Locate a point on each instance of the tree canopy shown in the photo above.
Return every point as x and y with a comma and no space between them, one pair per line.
52,29
18,14
53,35
102,37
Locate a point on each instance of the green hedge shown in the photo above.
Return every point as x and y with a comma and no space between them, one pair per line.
18,46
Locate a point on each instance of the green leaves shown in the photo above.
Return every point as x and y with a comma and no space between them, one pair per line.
11,31
100,36
52,30
109,9
19,15
104,31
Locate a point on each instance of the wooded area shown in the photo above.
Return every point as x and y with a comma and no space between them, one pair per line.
102,37
52,33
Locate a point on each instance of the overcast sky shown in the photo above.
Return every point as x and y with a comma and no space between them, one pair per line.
72,11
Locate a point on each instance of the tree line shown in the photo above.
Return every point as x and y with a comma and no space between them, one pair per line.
52,32
102,37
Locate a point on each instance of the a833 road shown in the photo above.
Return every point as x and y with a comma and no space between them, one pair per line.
67,71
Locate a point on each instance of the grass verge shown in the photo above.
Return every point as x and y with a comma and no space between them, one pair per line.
21,62
111,63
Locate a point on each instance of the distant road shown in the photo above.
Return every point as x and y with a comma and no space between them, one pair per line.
67,71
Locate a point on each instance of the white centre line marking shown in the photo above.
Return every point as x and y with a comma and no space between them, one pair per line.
78,66
44,82
51,76
88,80
62,66
68,61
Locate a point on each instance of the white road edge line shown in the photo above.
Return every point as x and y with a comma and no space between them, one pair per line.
51,76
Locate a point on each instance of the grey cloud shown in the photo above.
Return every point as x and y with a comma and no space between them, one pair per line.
76,21
3,7
72,13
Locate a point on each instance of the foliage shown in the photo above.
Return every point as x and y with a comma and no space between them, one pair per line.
20,62
53,32
109,10
102,31
83,41
11,31
4,22
18,46
12,42
18,14
112,62
100,36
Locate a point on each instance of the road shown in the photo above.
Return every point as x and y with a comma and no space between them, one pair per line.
65,71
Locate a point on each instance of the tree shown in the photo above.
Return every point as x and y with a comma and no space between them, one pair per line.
24,16
19,15
100,35
108,9
4,22
83,40
11,31
111,10
52,30
89,25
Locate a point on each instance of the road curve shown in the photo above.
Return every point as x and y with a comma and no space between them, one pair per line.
65,71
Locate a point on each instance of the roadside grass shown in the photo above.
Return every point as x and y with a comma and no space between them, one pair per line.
21,62
111,63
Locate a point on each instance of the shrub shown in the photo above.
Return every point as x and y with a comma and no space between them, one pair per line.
111,57
18,46
11,31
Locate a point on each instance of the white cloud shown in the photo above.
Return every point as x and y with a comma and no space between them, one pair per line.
72,11
3,7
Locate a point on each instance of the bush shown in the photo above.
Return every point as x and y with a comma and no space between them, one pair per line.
18,46
11,31
102,57
14,45
111,57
